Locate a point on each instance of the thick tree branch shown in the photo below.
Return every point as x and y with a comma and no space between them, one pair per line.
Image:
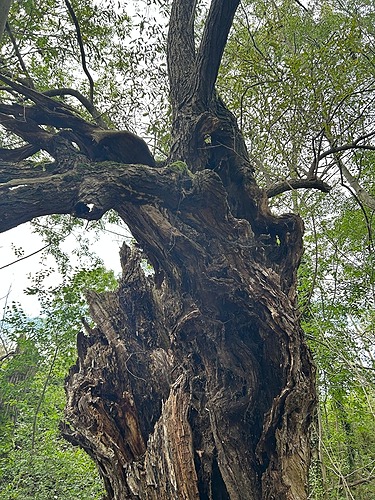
94,112
215,35
53,113
33,95
27,191
180,49
292,184
18,154
29,131
74,133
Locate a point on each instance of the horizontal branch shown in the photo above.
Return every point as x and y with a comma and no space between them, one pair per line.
101,186
18,154
292,184
88,190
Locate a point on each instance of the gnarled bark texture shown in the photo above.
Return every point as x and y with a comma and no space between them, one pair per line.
196,382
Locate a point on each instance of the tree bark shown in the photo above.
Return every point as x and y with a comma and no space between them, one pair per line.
4,10
196,382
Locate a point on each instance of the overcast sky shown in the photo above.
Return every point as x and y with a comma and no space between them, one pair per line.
14,278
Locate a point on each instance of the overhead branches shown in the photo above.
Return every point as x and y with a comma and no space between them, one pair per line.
27,121
191,73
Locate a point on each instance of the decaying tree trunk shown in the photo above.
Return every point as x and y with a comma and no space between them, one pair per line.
196,381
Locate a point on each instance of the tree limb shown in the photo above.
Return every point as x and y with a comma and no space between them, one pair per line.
33,95
363,195
18,154
180,49
29,131
7,355
94,112
215,35
81,48
301,5
28,191
333,150
346,147
292,184
19,56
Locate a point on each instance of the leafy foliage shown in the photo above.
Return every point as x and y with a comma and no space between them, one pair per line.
35,461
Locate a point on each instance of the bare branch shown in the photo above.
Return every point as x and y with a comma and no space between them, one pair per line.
292,184
7,355
353,145
19,56
81,48
301,5
26,256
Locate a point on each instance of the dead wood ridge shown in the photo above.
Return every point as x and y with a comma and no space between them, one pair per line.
196,381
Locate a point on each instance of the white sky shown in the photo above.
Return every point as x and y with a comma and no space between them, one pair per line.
14,278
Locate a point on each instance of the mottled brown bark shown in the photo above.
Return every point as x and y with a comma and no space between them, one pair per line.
196,381
211,366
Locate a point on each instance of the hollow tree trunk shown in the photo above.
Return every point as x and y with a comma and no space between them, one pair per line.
196,382
201,387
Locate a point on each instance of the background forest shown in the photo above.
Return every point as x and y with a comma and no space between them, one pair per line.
300,77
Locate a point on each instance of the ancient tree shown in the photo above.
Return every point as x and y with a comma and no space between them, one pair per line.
196,381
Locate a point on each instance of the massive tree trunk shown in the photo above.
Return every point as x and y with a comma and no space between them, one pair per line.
196,381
